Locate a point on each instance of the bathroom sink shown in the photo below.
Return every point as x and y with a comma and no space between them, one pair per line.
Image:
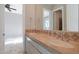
60,43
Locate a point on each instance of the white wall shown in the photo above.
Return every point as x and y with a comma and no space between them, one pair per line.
72,17
55,6
1,28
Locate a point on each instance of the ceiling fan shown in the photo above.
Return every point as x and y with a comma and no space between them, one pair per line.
8,6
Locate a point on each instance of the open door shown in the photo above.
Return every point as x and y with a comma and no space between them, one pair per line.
58,19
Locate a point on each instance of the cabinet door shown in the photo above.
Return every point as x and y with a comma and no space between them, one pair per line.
40,48
34,48
30,49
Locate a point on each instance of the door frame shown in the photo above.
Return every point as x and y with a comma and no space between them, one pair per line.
2,46
54,10
23,25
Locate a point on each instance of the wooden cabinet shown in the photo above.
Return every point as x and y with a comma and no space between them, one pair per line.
30,49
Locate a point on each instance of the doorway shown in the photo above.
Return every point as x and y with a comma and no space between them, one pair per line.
57,17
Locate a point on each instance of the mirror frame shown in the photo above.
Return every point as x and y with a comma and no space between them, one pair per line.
63,22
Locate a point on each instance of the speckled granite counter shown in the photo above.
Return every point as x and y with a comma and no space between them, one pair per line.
50,42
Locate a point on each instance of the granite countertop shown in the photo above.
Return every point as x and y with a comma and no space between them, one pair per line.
51,43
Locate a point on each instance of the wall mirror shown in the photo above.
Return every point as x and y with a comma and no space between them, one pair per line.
46,19
53,19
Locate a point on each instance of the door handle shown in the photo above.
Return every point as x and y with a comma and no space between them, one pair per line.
3,34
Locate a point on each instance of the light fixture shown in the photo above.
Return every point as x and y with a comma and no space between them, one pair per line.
8,6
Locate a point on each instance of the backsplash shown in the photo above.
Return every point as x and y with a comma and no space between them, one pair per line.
65,36
71,36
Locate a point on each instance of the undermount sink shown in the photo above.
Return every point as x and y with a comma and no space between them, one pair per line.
60,43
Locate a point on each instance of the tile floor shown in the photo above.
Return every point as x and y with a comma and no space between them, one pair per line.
14,45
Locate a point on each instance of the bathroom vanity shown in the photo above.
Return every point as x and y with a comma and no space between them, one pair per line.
40,42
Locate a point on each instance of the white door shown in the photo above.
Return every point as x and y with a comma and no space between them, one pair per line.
13,21
14,29
1,28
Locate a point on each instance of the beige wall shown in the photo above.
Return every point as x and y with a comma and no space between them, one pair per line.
30,16
39,17
33,16
34,12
